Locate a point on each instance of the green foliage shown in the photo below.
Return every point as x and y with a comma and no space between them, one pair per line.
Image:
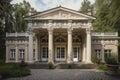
6,21
50,65
20,10
70,66
95,59
107,16
102,67
23,64
86,6
13,70
111,60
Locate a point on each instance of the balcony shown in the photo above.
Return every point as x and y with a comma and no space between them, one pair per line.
16,34
104,34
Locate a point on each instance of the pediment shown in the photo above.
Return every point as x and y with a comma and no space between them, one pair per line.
61,13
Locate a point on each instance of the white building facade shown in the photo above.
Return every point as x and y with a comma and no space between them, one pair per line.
60,35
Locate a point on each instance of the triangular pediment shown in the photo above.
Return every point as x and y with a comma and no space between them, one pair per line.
61,13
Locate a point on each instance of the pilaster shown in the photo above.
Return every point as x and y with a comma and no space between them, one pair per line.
102,51
36,48
7,53
16,53
26,52
30,55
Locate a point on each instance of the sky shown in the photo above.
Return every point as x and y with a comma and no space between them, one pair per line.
41,5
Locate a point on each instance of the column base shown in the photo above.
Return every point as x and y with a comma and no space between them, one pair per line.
30,61
50,61
88,61
69,62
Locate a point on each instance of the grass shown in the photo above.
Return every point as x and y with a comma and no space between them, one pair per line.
102,67
13,70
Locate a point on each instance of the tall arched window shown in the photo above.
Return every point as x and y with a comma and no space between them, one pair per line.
76,39
44,39
60,39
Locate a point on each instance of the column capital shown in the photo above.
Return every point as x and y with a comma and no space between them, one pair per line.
69,30
88,30
50,30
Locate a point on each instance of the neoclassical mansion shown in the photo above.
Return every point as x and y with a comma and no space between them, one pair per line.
60,35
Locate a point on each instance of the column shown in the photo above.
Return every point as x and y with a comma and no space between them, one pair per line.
102,52
26,52
69,57
84,51
36,49
88,43
30,54
7,53
50,45
16,53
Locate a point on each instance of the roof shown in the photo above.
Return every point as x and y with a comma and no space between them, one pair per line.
60,8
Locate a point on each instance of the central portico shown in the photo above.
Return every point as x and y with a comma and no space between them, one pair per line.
59,34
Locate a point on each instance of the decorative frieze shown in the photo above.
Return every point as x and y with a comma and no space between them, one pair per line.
59,25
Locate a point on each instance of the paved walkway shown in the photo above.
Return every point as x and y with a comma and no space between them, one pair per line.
66,74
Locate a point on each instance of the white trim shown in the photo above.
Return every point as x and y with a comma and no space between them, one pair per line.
43,59
60,59
78,53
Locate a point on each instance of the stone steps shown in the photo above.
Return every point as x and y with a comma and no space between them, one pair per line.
62,66
74,66
38,66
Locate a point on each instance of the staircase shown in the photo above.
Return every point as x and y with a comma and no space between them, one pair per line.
78,65
63,65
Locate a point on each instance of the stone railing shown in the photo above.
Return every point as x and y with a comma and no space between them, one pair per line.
16,34
104,34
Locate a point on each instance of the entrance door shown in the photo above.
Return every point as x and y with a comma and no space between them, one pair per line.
44,53
75,53
60,53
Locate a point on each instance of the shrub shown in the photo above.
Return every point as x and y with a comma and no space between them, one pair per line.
23,64
13,70
95,59
50,65
111,60
102,67
69,66
2,62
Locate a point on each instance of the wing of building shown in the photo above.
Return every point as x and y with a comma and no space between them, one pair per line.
60,34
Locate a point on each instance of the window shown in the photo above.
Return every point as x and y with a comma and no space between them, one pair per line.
107,53
33,54
12,54
76,39
60,52
45,39
75,51
60,39
98,53
45,52
21,54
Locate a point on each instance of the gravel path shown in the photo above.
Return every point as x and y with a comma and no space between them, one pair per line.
66,74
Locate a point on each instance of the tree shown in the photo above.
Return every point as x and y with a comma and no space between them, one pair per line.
6,22
86,6
20,10
107,16
102,22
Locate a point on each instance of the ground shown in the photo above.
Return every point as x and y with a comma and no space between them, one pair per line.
66,74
